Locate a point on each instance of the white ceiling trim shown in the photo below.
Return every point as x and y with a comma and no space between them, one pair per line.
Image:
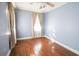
35,7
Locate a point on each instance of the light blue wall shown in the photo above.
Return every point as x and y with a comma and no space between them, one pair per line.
4,39
23,23
65,21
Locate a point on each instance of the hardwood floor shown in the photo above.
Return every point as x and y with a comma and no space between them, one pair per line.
39,47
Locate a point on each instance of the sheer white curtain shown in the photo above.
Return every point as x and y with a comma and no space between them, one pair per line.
37,26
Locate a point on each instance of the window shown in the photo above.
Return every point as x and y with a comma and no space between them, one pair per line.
37,26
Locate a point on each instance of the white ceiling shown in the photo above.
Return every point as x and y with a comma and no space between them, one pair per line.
34,6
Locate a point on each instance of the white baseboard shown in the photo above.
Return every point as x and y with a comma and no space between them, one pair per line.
8,52
65,46
24,38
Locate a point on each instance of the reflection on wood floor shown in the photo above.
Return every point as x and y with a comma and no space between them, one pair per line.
39,47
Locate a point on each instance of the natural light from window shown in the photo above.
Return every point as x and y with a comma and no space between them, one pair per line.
37,26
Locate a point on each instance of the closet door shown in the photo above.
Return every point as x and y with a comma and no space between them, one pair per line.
4,29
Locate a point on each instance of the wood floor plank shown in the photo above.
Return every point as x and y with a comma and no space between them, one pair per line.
43,48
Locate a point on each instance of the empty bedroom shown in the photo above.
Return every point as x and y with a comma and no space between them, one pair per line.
39,28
